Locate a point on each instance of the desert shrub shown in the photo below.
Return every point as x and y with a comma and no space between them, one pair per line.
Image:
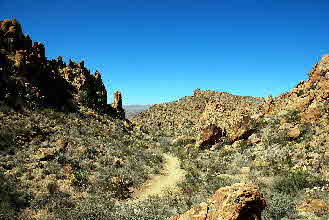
52,187
280,205
293,115
7,139
300,93
280,138
307,133
5,108
313,86
295,181
84,97
80,177
12,201
47,110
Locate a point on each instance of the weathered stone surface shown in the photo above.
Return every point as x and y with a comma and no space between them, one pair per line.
117,102
254,139
308,97
117,105
314,206
210,135
312,114
320,69
232,115
239,201
294,132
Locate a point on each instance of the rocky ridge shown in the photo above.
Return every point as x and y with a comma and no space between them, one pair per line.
29,80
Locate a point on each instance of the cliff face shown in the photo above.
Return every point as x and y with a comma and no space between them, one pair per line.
29,80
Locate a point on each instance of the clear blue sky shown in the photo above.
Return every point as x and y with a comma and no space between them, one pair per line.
156,51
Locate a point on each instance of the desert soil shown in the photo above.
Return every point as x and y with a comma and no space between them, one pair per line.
167,180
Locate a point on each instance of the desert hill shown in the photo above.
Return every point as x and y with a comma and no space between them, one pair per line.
67,154
184,117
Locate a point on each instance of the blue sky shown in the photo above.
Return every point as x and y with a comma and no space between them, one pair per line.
158,51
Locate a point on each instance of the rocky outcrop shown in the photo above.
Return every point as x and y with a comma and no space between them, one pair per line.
117,105
233,114
190,115
12,37
210,136
30,80
309,98
236,202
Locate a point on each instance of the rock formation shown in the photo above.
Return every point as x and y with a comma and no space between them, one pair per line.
309,98
27,75
236,202
117,104
210,136
192,115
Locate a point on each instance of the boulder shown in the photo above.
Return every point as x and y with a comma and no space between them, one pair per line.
254,139
314,206
236,202
294,132
210,136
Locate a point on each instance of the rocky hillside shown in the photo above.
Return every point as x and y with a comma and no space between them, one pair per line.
183,117
66,154
235,117
278,144
29,80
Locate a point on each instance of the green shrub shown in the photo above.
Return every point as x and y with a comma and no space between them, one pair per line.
80,177
7,139
280,205
300,93
296,181
52,187
291,183
313,86
292,116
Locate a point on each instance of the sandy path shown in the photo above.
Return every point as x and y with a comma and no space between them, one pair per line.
171,175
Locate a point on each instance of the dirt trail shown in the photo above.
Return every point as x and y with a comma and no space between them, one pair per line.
168,179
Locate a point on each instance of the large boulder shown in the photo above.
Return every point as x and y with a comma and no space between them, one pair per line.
233,114
210,136
236,202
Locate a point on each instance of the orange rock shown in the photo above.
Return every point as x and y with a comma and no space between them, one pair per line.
117,101
294,132
239,201
209,136
314,206
311,114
